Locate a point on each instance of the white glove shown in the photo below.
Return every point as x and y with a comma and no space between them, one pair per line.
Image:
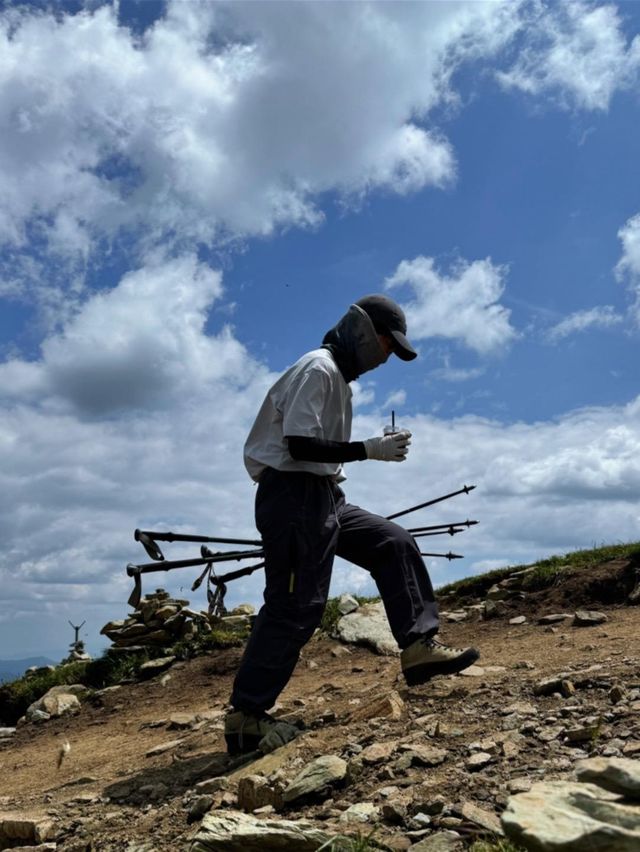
390,447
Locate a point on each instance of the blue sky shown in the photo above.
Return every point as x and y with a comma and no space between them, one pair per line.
194,192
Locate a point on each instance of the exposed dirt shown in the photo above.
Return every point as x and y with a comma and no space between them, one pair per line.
608,583
140,799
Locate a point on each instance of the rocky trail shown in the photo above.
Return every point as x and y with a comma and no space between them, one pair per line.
141,767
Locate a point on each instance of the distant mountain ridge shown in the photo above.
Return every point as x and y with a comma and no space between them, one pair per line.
12,669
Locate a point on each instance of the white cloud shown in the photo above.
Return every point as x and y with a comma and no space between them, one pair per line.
628,267
132,416
397,397
363,394
604,316
541,487
138,346
576,51
217,122
457,374
463,305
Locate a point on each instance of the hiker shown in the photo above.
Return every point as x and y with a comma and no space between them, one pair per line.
295,452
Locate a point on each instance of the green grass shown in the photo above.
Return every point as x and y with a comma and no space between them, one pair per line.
497,845
221,636
545,572
355,843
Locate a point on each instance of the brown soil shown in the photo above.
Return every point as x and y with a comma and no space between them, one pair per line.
110,737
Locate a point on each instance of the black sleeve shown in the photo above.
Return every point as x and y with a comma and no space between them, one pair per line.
319,450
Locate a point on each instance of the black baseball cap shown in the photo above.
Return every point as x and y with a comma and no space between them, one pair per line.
388,318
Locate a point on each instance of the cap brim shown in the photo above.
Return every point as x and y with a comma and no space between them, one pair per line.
402,348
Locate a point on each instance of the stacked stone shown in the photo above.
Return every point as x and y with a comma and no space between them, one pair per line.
158,620
77,654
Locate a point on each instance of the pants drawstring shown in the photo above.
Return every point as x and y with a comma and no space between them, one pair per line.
333,503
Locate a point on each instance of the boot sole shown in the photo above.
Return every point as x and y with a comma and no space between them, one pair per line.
421,674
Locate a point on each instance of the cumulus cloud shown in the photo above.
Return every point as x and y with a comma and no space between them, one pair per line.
133,415
604,316
463,305
456,374
396,397
577,52
628,267
216,121
138,346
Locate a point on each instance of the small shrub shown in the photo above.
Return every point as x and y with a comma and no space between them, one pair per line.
112,668
331,616
221,636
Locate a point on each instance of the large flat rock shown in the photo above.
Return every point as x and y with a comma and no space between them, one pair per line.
368,626
565,816
233,831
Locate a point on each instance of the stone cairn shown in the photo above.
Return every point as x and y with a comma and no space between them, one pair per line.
77,653
160,620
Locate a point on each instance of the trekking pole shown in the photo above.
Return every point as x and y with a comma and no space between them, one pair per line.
464,490
148,539
447,531
448,556
136,571
442,527
216,598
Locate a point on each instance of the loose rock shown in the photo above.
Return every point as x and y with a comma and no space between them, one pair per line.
347,604
554,618
360,812
199,808
255,792
17,830
442,841
317,777
618,775
485,819
478,761
237,832
390,706
588,618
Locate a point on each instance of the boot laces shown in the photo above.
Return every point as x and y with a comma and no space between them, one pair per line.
432,642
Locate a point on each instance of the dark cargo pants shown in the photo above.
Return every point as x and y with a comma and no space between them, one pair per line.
305,521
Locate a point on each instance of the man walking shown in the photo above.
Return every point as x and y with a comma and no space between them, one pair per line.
295,451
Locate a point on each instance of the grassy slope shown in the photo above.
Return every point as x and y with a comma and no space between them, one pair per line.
544,572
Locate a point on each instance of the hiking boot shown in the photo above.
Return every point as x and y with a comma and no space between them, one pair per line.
247,732
427,657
